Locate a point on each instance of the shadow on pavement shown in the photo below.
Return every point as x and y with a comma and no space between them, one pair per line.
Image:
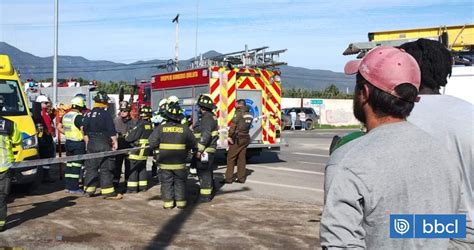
172,228
39,210
264,157
38,189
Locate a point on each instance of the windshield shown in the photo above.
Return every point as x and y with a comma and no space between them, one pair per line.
14,103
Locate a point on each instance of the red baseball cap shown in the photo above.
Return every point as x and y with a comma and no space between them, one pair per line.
386,67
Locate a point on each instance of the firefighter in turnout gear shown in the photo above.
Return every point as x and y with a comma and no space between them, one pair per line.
71,127
100,136
239,139
138,181
123,123
9,135
207,134
174,141
158,118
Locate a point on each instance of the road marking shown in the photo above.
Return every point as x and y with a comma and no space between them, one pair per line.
313,163
287,169
286,186
317,155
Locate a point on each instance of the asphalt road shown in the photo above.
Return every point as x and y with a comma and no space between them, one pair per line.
295,173
278,208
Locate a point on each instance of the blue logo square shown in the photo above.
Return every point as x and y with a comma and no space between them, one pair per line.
402,226
440,226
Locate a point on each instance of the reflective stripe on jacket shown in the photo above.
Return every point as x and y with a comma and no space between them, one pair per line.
174,141
9,135
206,131
139,136
71,132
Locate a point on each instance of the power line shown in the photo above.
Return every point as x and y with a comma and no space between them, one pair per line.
83,71
86,66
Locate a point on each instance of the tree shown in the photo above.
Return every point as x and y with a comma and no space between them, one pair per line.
331,92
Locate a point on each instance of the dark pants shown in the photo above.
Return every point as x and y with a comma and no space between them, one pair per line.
154,167
237,153
206,178
105,165
73,169
4,191
138,179
119,161
173,187
46,149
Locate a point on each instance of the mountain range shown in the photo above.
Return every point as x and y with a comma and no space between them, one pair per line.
31,66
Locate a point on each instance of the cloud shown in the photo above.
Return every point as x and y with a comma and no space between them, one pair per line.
315,32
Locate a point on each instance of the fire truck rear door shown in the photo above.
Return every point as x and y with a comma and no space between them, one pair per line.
253,99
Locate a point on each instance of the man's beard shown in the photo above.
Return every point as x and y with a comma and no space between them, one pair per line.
358,109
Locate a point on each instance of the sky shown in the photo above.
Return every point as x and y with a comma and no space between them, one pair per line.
315,32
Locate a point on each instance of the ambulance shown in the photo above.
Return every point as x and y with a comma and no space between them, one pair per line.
16,109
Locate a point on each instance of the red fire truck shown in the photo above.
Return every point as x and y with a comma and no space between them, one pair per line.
250,75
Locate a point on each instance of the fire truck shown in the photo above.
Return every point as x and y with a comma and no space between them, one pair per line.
251,75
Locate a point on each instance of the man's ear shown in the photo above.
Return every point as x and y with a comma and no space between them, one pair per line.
365,93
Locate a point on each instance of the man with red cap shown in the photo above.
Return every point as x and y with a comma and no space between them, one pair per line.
390,170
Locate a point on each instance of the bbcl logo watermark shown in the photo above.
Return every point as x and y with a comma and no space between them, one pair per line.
427,226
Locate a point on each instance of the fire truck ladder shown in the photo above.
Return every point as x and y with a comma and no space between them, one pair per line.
257,57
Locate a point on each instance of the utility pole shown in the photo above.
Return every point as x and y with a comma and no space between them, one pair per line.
197,29
176,48
55,57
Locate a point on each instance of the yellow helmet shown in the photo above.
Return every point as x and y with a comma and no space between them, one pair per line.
78,102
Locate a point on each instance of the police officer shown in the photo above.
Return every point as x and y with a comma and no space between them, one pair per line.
158,118
239,139
71,127
9,135
123,123
206,133
100,136
138,180
174,140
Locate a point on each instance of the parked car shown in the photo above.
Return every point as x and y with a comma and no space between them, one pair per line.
311,117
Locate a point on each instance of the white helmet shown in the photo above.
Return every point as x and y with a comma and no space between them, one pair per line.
162,102
42,98
173,99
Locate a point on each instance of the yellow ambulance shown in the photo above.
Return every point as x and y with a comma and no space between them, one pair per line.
16,109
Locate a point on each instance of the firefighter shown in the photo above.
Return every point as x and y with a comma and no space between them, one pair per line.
175,100
174,141
43,116
71,127
137,180
207,135
100,136
158,118
9,135
239,139
123,124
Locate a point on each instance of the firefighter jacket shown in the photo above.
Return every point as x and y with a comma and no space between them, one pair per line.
206,133
138,136
241,123
70,122
123,126
9,135
174,141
